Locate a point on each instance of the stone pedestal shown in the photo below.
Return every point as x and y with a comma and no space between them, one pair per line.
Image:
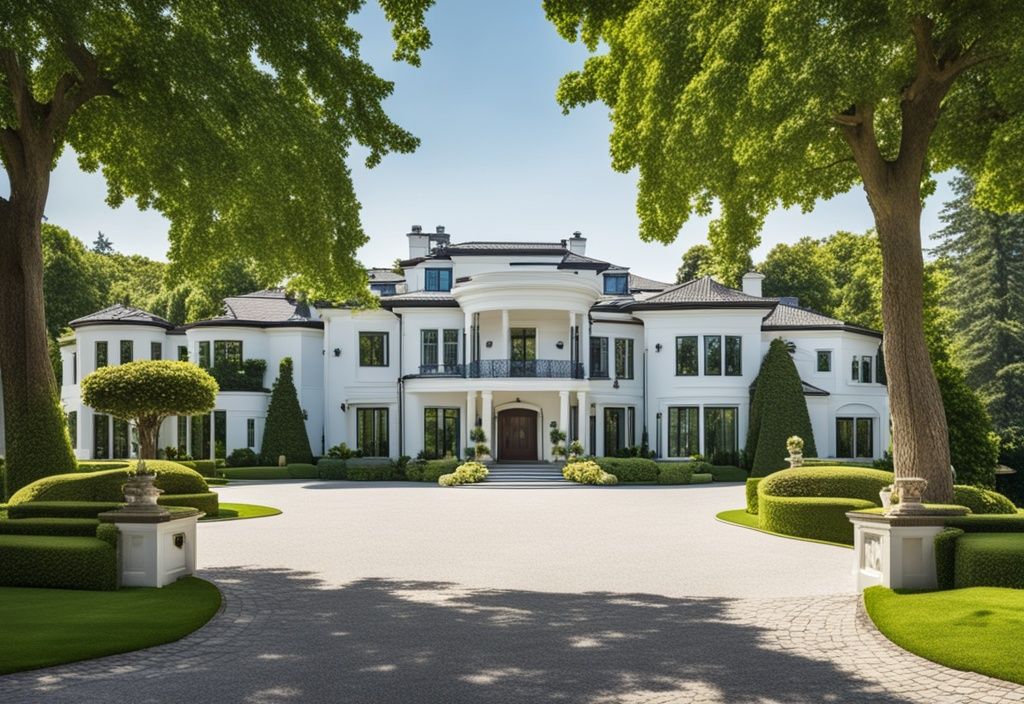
895,551
154,548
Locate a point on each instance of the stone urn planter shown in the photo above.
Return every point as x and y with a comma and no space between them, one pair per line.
910,490
885,495
795,445
140,492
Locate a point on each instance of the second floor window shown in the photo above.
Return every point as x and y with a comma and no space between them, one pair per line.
855,369
127,351
616,284
686,356
733,355
712,355
451,348
182,353
824,360
428,356
373,349
156,350
623,358
227,352
599,357
101,354
204,354
438,280
865,369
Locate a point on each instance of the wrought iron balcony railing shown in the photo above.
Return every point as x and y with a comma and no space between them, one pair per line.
442,370
528,368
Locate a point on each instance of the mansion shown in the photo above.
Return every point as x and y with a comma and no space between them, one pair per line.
517,337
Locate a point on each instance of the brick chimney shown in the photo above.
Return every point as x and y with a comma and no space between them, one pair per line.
577,244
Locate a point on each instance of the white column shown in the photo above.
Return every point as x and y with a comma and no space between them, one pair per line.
469,339
563,412
505,335
470,418
585,344
572,324
583,420
485,416
599,435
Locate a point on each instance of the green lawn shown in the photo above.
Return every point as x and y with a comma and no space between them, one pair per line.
44,627
977,629
233,512
740,517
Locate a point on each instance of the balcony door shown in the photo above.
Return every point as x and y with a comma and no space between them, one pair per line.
523,346
517,435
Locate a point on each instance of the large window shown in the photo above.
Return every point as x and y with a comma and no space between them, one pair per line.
524,351
101,437
712,355
156,350
617,430
721,435
73,428
182,435
428,342
250,433
623,358
122,439
373,349
599,357
204,354
228,353
372,432
855,437
733,355
440,432
686,356
855,369
182,353
127,351
438,280
616,284
451,349
220,434
683,431
865,369
101,354
201,437
824,360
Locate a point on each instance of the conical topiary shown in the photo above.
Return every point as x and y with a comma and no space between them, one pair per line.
778,411
285,432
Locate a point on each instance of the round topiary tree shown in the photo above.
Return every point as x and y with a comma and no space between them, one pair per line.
777,412
147,392
285,433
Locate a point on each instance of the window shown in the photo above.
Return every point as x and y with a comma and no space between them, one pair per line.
250,432
615,426
880,367
101,437
440,432
855,369
182,434
383,289
824,360
101,354
122,439
683,431
438,279
451,350
73,428
865,369
74,367
524,351
372,432
599,357
227,353
127,351
428,354
721,443
220,434
616,284
686,356
156,350
733,355
201,437
204,354
623,358
373,349
182,353
855,437
712,355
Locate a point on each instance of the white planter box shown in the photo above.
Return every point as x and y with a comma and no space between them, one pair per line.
895,551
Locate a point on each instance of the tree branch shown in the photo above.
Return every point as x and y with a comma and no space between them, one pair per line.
72,92
858,128
25,105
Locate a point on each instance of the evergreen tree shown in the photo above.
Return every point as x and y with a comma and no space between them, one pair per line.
778,411
696,263
973,446
984,252
800,270
285,432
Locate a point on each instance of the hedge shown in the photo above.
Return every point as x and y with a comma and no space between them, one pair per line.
675,472
60,562
208,468
727,473
945,556
752,494
173,478
300,470
630,469
989,560
62,509
83,527
207,501
701,478
988,523
845,482
255,473
100,465
330,469
429,470
371,472
982,501
815,517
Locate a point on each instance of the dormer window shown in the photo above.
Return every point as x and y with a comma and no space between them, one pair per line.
383,289
438,280
616,284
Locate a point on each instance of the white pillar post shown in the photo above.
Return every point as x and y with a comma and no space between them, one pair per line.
599,435
563,414
572,324
505,335
487,403
585,344
470,418
468,326
583,420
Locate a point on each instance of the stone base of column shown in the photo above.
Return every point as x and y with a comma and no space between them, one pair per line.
154,550
895,551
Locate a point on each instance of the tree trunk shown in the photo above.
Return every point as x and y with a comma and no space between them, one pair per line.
920,436
149,434
35,428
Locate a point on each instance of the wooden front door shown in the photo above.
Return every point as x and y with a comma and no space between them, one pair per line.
517,435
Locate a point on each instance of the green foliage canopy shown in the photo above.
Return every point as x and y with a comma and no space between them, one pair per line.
802,270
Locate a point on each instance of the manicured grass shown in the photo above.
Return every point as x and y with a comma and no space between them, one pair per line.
740,517
234,512
976,629
44,627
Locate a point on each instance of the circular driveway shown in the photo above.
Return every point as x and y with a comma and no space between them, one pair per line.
399,593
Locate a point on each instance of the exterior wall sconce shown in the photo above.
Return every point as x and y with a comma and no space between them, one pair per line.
553,424
559,344
657,347
337,351
344,407
615,384
489,344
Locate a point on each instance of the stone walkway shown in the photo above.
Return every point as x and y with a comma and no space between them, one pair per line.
288,634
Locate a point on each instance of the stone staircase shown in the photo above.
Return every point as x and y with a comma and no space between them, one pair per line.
524,475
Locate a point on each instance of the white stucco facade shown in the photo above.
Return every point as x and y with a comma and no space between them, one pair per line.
519,338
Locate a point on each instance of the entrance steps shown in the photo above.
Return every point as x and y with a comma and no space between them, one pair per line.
525,474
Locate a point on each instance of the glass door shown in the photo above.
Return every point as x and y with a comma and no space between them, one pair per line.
523,352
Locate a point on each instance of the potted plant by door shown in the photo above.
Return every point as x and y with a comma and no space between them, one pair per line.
558,451
481,453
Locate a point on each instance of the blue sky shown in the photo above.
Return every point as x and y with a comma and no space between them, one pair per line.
497,160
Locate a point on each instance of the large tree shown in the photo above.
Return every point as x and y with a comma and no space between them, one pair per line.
801,269
768,103
233,119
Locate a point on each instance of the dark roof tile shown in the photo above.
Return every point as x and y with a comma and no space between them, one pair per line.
121,314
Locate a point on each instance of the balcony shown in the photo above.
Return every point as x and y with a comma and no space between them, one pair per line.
443,370
507,368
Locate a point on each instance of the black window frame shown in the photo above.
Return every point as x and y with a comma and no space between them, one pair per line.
122,440
624,358
225,353
205,358
437,279
102,352
156,350
429,348
711,355
865,369
379,420
676,428
182,353
599,357
128,345
100,440
370,356
680,341
616,284
855,451
855,370
74,367
712,453
182,435
616,430
250,432
450,348
732,355
825,355
442,431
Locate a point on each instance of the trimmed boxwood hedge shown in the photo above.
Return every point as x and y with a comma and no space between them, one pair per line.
989,560
675,472
62,509
752,494
629,469
329,469
60,562
207,501
208,468
100,465
815,517
84,527
106,485
990,523
302,470
982,501
376,472
255,473
727,473
846,482
429,470
701,478
945,556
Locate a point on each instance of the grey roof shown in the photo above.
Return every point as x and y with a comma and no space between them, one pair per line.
787,317
812,390
421,299
121,314
480,246
703,292
384,276
272,307
640,283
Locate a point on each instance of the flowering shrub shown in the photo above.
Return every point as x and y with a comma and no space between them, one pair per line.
588,472
465,473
